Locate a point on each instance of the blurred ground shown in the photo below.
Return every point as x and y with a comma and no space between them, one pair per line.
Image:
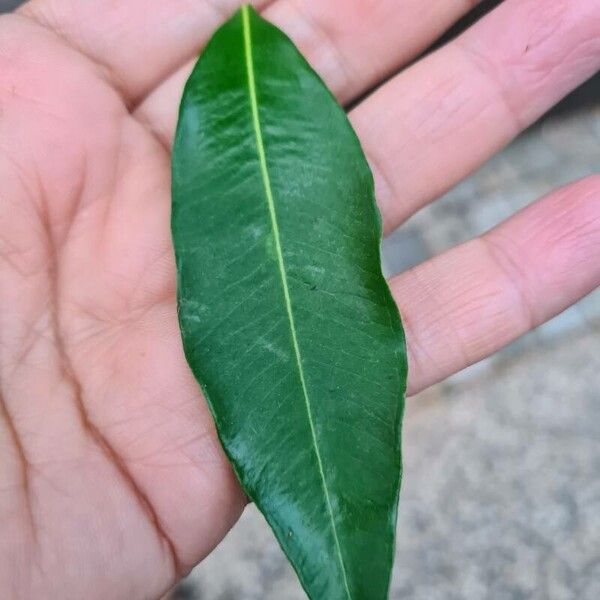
501,491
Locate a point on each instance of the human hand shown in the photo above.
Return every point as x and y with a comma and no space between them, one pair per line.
112,480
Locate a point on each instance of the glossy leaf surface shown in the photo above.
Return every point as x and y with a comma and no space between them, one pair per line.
287,321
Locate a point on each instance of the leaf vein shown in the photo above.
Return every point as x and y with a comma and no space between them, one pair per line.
275,226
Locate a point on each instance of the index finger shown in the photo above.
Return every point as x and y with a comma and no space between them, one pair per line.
352,43
136,43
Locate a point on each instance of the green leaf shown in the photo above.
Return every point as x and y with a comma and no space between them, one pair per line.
287,321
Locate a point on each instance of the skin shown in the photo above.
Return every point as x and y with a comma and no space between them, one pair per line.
112,483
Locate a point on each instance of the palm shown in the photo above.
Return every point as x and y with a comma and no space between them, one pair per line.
109,460
123,450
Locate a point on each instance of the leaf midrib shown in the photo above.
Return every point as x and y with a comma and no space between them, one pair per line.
282,271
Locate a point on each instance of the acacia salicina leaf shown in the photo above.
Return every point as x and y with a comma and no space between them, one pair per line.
286,319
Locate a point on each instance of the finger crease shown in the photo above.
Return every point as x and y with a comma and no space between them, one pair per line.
488,69
513,272
106,72
25,467
161,137
69,376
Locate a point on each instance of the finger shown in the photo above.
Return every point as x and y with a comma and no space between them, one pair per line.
137,43
437,121
469,302
352,45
